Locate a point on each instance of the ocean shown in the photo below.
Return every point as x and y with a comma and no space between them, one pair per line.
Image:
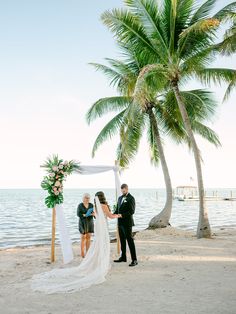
26,221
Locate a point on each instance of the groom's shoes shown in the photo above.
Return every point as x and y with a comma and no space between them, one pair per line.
120,260
133,263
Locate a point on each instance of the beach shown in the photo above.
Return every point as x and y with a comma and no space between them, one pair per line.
177,273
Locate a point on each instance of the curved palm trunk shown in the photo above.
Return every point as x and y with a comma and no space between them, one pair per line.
203,230
162,219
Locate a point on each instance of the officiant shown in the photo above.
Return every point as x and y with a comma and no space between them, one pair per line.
86,223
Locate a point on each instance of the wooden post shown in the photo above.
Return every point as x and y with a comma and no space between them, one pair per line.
53,235
117,230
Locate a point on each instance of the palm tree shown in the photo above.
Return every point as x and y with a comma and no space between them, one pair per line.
176,40
152,112
131,129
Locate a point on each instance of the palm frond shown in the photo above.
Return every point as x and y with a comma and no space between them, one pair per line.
194,60
181,19
113,75
121,75
225,12
166,18
206,133
111,128
197,36
173,21
175,16
106,105
168,115
130,134
229,89
216,75
228,45
128,75
121,67
200,31
128,30
201,26
148,13
203,12
200,104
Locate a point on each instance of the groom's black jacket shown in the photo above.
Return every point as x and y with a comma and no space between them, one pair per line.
126,207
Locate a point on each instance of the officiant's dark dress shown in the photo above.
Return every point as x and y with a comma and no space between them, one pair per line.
86,224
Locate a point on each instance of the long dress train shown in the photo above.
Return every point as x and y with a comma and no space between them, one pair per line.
92,270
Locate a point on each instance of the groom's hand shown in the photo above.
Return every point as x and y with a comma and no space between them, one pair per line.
119,216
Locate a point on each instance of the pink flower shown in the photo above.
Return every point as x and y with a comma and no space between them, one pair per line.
55,168
54,189
58,183
60,190
56,193
51,175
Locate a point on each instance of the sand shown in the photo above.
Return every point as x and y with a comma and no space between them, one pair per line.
177,273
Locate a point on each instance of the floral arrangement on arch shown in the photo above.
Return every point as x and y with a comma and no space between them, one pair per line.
57,172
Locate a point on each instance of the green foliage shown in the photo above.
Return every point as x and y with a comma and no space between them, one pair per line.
110,129
178,35
228,15
105,105
162,42
131,132
57,172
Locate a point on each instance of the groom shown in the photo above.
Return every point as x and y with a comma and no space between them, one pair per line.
125,210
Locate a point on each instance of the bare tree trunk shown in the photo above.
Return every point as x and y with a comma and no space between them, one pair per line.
203,229
162,219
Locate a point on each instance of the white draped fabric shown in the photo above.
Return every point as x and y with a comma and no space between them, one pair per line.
92,270
84,170
64,236
65,241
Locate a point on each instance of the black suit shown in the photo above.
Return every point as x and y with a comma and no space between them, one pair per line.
126,207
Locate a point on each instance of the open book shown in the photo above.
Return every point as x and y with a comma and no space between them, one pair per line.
89,212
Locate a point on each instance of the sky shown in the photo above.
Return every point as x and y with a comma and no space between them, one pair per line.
47,86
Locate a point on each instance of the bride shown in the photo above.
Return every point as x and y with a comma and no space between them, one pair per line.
94,266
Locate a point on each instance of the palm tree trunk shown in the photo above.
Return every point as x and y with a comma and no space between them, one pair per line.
162,219
203,229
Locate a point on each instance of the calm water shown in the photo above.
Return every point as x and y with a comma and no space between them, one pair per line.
24,219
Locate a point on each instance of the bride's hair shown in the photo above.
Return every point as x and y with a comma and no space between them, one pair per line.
102,198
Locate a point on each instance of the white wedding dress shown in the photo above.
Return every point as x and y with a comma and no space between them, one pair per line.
92,270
